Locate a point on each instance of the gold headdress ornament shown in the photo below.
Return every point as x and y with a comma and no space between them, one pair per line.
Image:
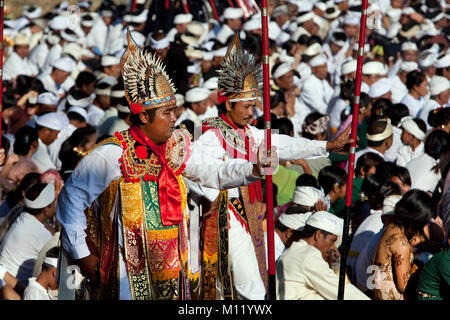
147,84
240,77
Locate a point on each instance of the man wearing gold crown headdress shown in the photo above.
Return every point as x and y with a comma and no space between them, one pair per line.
123,210
233,252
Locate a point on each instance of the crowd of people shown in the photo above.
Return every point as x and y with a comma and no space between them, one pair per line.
127,138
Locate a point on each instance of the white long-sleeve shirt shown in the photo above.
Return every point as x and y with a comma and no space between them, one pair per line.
98,169
303,274
316,94
406,154
15,66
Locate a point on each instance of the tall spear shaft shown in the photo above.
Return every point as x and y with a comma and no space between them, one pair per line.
2,4
351,160
267,126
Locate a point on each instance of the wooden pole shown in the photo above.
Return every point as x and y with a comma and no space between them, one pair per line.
351,159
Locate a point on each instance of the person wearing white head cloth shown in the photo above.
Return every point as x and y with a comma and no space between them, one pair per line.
181,21
366,255
439,97
53,81
442,65
211,111
316,92
409,53
233,23
48,127
413,135
307,196
196,103
288,228
380,136
399,89
381,89
302,271
29,233
101,103
17,62
38,287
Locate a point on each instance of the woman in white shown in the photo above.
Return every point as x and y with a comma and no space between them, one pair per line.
417,85
424,170
413,133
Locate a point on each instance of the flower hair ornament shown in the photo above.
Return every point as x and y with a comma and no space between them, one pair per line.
239,77
147,84
318,126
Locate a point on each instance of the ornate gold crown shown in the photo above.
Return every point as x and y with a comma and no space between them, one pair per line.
239,78
147,84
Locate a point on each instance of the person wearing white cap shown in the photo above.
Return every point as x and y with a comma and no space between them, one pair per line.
442,66
303,273
38,287
101,103
77,118
53,81
439,96
316,91
233,23
181,21
381,89
413,134
306,25
417,85
288,229
211,111
399,89
366,255
17,62
30,232
47,102
336,50
111,66
408,53
196,104
39,53
372,71
48,127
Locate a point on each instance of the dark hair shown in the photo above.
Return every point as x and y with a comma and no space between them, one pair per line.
14,196
306,180
402,173
434,143
347,90
75,116
6,144
134,117
309,231
385,168
414,78
376,126
310,119
85,78
276,98
284,126
379,108
396,112
52,253
437,118
70,158
413,212
24,138
367,161
372,184
388,188
31,194
331,175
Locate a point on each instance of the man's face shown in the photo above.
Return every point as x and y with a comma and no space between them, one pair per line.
370,78
286,81
49,135
162,53
22,50
405,137
281,20
104,101
181,27
240,112
410,55
113,71
162,127
320,71
200,107
343,6
325,244
235,24
334,48
351,30
396,4
88,89
59,76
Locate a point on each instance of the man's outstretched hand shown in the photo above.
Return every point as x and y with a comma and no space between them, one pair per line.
339,143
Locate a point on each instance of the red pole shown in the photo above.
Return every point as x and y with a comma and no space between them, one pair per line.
185,6
214,10
351,159
267,126
133,5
